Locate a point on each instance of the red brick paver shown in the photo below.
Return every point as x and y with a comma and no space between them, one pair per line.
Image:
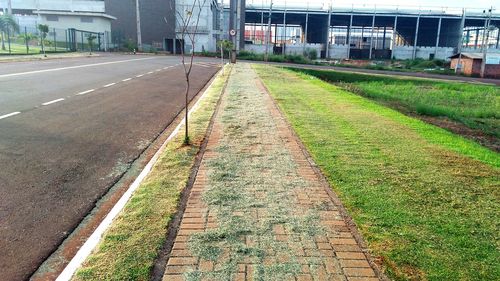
331,255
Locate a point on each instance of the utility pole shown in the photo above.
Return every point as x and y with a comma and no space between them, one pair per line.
268,32
484,44
458,66
138,19
221,38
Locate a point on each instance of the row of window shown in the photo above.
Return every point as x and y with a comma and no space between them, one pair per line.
82,19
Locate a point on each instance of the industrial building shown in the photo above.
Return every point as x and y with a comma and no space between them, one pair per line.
156,22
61,15
361,32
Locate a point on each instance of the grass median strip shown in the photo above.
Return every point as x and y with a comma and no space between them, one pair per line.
129,248
475,106
425,200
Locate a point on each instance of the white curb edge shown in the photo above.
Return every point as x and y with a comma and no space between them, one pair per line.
94,239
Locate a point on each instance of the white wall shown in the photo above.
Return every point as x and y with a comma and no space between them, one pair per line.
478,50
298,49
406,52
98,24
57,5
257,48
338,51
204,38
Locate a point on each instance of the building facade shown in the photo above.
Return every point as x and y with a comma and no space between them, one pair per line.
157,23
61,15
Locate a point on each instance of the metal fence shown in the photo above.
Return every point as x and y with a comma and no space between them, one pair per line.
29,40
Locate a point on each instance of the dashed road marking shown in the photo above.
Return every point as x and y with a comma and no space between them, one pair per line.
52,101
139,76
71,67
9,115
109,85
85,92
159,69
151,72
125,80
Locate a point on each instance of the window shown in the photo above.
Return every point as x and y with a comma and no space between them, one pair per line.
87,19
52,18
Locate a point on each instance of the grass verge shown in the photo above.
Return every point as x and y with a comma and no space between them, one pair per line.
425,200
129,248
475,106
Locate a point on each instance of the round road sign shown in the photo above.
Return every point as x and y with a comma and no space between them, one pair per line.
232,32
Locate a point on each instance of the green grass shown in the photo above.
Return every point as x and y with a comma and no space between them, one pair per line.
475,106
425,200
129,248
246,55
20,49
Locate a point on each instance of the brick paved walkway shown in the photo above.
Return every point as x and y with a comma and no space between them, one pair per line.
258,210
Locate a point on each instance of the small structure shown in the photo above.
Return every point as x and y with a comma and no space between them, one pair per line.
470,64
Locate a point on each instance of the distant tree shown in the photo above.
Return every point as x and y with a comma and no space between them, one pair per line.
7,25
90,39
226,45
44,30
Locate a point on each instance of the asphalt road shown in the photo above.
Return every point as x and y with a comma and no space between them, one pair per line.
68,130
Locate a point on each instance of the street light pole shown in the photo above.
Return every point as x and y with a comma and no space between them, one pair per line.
138,22
221,34
268,32
485,41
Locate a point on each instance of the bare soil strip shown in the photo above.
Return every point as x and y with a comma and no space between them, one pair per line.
258,210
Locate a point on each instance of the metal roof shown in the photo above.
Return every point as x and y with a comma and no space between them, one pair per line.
473,56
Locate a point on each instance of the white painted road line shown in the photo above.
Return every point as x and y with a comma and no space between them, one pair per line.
52,101
109,85
70,67
140,75
9,115
85,92
151,72
125,80
159,69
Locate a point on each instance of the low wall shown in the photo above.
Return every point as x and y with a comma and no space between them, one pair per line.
338,51
298,49
406,52
292,49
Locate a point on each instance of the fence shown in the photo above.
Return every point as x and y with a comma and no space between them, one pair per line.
28,40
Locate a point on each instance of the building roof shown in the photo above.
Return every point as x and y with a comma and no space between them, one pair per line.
474,56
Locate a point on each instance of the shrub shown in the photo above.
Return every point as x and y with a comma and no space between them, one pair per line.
311,54
297,59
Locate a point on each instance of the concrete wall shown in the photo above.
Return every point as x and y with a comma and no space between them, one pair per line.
98,24
258,49
298,49
295,49
338,51
478,50
406,52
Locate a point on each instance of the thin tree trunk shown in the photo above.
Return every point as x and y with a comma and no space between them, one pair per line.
3,41
186,136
